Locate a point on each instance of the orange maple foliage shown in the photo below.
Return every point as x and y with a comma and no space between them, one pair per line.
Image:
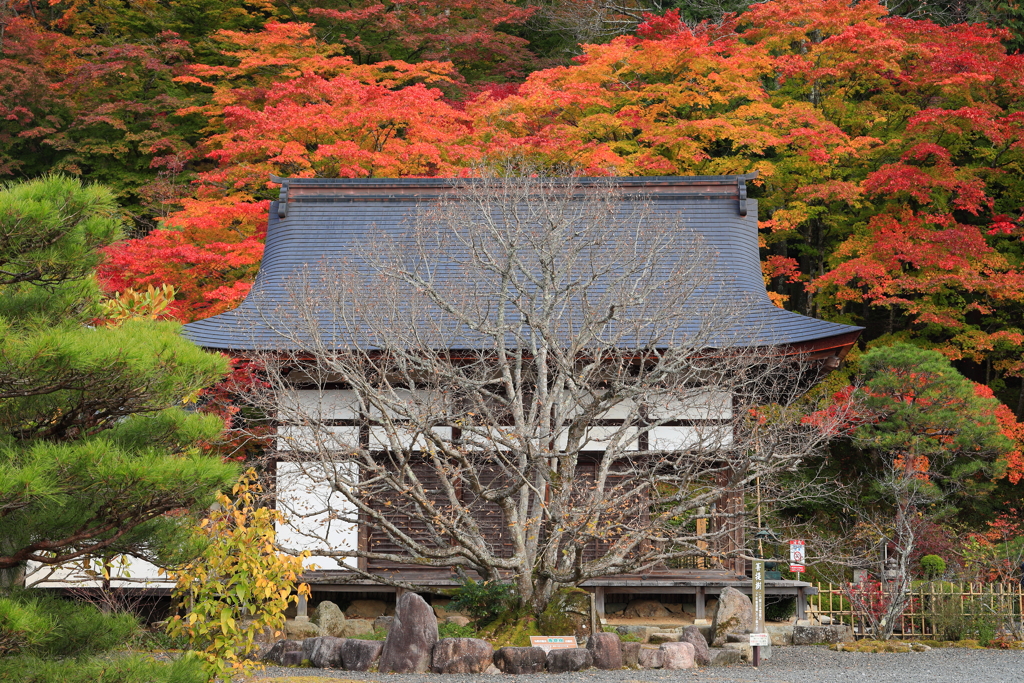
209,250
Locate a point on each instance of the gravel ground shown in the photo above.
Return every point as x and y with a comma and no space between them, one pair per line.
788,665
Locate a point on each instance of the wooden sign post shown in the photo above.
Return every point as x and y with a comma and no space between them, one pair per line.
758,637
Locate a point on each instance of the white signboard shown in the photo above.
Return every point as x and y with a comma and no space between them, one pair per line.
760,639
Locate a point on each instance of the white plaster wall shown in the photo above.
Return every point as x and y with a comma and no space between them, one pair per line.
689,438
128,572
317,440
311,404
306,498
696,404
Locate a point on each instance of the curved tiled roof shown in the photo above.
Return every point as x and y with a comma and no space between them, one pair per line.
318,221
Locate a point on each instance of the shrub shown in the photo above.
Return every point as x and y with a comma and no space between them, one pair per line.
485,601
933,565
240,586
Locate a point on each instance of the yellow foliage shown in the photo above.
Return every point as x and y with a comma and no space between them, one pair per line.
240,585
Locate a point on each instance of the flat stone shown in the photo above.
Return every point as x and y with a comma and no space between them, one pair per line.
693,636
725,657
359,655
410,642
277,650
630,654
366,609
745,650
569,659
461,656
662,637
520,660
677,656
809,635
607,650
491,670
330,619
734,613
651,657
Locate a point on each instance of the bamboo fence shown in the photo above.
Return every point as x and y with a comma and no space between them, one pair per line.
934,609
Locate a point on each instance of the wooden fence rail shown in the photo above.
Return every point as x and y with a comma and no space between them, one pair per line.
939,610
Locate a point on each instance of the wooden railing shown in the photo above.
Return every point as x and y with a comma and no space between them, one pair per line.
939,610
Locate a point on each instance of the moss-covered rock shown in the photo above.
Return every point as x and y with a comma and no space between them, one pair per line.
568,613
511,630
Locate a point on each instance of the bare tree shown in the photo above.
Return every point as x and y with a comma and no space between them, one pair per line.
534,381
597,21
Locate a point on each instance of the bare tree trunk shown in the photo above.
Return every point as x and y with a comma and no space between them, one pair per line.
516,387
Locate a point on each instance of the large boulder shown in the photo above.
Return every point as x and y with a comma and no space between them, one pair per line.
834,633
366,609
330,619
410,642
693,636
353,628
275,655
520,660
645,609
569,659
324,652
359,655
734,613
651,657
607,650
462,656
630,654
677,656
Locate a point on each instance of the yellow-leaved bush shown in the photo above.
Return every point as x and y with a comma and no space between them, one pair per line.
240,585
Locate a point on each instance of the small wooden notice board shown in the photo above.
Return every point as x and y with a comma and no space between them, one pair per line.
548,643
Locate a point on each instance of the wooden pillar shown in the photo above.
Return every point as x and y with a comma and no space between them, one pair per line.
301,611
801,603
599,601
700,597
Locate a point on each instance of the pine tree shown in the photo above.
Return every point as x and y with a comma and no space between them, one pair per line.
95,444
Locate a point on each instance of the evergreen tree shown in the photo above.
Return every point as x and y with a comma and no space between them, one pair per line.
95,445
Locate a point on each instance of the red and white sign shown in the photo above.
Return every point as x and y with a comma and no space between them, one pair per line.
797,554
